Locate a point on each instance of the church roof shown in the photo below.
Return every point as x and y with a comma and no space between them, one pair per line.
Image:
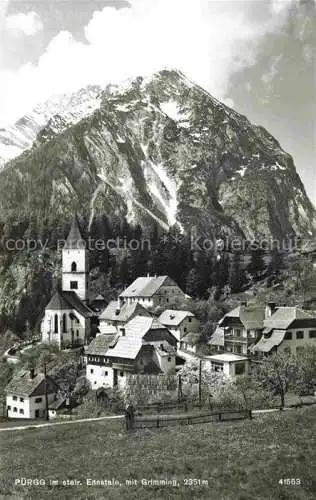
74,239
69,301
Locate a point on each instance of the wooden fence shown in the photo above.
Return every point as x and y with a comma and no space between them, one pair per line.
202,417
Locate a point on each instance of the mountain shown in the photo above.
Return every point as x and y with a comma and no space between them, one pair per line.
161,149
153,150
57,114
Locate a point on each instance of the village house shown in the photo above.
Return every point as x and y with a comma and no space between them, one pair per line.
231,365
184,326
143,345
67,318
152,291
289,329
25,395
240,328
116,314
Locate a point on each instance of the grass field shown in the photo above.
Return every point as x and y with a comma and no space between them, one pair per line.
241,460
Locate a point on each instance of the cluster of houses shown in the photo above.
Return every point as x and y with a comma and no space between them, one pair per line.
128,336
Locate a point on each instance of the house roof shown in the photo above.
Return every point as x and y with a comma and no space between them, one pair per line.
266,344
218,337
74,239
191,338
145,286
284,316
129,345
230,358
125,311
68,300
100,344
58,403
24,385
173,317
251,317
107,330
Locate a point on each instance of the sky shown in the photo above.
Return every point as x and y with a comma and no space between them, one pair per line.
258,56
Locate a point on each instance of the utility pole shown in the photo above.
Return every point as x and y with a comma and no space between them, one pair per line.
200,383
46,397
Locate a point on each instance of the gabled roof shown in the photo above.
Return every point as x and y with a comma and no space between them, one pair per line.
58,302
218,337
74,239
129,345
58,403
68,300
284,316
100,345
173,317
123,313
266,344
251,317
24,385
146,286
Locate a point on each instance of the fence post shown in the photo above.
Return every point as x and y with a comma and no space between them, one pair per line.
157,421
250,414
219,416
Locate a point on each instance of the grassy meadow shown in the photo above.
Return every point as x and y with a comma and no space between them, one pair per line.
242,460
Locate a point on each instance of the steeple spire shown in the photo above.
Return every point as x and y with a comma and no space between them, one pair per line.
74,239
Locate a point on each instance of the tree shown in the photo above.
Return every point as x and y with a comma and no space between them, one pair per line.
305,375
276,374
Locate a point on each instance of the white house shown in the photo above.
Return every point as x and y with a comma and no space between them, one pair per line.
143,345
117,314
25,395
183,325
152,291
230,365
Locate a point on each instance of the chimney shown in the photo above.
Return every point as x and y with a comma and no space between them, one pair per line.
118,307
32,373
122,330
243,303
270,309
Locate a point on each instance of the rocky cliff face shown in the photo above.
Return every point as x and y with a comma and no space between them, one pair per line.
159,149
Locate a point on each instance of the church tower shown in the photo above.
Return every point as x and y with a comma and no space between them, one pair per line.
75,265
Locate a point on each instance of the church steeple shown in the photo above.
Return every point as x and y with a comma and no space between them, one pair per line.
75,262
74,239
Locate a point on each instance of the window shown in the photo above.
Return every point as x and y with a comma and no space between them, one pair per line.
73,267
15,409
21,411
169,359
312,334
74,285
22,400
64,323
15,398
38,400
56,323
121,374
217,367
91,370
77,333
190,319
9,407
288,336
185,329
300,335
239,368
237,332
105,373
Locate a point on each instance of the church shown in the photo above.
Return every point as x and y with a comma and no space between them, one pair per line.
67,319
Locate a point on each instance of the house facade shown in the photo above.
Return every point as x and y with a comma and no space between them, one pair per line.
180,323
152,291
25,395
142,346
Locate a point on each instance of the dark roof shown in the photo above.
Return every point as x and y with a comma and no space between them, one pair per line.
152,368
146,286
24,385
58,302
100,345
58,403
74,239
251,317
69,300
122,313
